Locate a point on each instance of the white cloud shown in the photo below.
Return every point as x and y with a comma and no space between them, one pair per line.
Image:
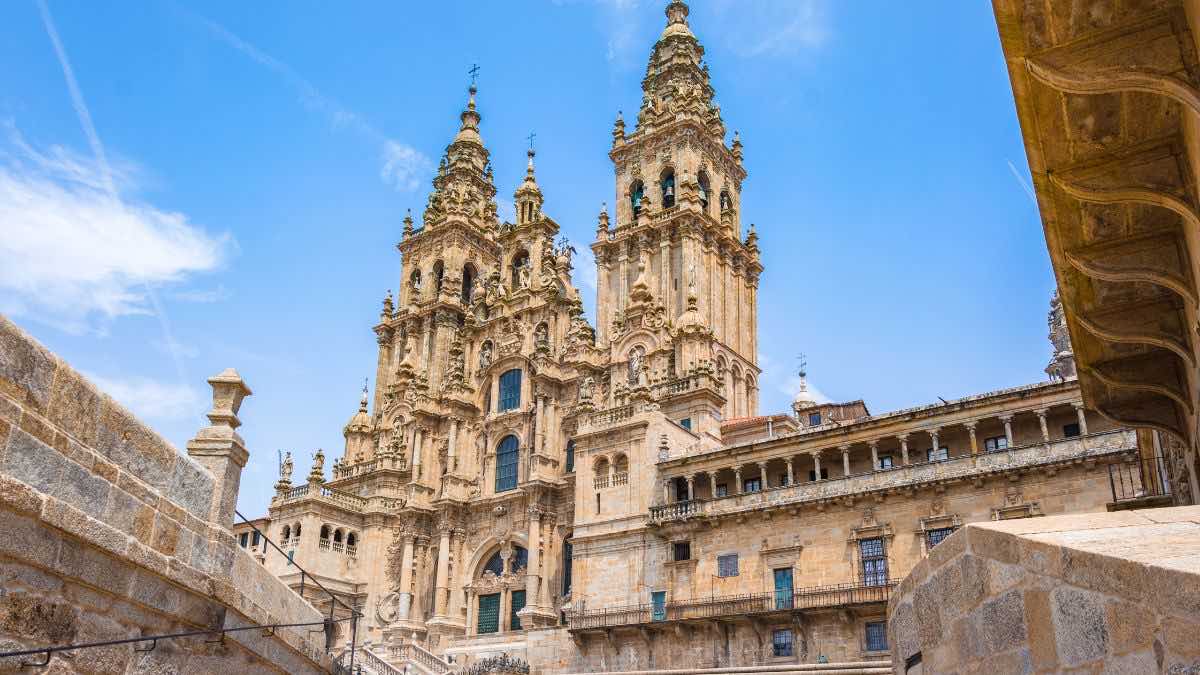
72,250
403,167
791,387
202,295
175,348
151,399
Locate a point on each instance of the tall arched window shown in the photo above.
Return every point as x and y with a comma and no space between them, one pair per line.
510,390
636,192
506,464
468,282
414,280
495,564
439,273
703,180
668,189
570,456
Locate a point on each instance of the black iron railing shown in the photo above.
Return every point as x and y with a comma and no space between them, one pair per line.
816,597
1137,479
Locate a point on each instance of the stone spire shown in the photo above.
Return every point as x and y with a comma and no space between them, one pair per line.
528,197
677,81
1062,361
463,190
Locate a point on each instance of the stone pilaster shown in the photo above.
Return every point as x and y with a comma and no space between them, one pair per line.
219,448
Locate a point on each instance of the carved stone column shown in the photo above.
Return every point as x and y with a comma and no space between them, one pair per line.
442,584
845,459
762,473
903,448
1041,415
1008,435
874,455
533,571
737,479
1082,419
418,443
791,477
452,445
691,486
816,455
406,570
974,441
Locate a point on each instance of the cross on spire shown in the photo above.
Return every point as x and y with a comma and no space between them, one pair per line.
530,137
803,371
474,71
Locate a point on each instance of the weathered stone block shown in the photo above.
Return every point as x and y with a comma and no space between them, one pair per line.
166,535
66,517
1000,623
133,447
1131,627
23,538
191,487
39,618
92,567
32,461
19,497
1080,630
26,368
74,405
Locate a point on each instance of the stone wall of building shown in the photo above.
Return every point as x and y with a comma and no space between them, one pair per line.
107,532
1112,592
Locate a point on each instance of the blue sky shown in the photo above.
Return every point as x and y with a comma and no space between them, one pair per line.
189,186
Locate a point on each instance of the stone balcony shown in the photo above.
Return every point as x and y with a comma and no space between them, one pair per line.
328,495
1080,449
839,596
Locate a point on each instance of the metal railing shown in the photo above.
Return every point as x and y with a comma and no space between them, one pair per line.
815,597
1137,479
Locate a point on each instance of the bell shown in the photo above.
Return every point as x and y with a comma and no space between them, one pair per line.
670,192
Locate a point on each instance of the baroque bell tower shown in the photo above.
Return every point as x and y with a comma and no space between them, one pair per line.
676,249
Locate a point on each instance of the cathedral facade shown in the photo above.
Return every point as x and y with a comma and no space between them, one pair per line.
584,497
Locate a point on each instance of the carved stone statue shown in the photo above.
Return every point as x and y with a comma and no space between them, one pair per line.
541,337
635,366
285,469
523,275
585,389
318,467
485,355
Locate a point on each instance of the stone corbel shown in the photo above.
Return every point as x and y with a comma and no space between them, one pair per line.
1124,327
1115,79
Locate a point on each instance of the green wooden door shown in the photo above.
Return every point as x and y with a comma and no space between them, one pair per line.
489,613
518,604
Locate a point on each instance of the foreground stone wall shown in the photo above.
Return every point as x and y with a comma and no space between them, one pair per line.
105,534
1113,592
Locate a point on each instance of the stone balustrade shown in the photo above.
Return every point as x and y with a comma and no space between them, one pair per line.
343,499
1079,448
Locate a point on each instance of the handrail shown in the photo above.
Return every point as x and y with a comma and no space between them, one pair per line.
837,595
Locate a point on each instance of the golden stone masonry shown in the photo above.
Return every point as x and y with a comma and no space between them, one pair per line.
524,492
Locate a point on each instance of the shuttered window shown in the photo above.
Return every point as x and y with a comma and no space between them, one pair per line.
510,390
518,604
506,464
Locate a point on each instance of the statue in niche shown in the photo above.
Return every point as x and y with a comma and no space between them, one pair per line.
485,355
636,365
541,337
585,389
523,275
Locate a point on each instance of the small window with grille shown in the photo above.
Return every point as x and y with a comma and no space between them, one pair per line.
781,642
874,561
935,537
683,550
727,565
876,636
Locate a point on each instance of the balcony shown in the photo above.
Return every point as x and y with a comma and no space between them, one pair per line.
1139,483
1064,451
700,609
343,499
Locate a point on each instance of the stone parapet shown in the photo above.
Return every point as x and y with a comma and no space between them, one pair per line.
108,532
1118,592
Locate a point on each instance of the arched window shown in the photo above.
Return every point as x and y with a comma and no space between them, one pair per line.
636,191
510,390
520,559
506,464
703,180
287,532
571,456
600,468
667,183
414,280
296,531
620,467
324,532
351,540
495,564
337,536
468,282
439,272
519,262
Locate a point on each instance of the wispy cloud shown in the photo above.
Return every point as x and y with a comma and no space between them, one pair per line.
772,27
202,295
151,399
401,166
74,253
